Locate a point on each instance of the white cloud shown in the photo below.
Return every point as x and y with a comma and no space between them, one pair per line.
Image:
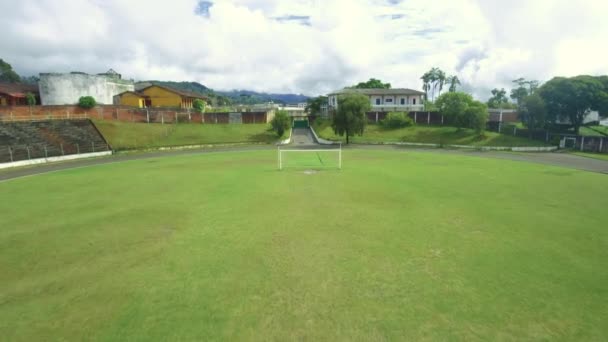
309,46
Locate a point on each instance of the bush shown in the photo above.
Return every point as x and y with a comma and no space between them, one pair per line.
31,99
397,120
199,105
87,102
281,122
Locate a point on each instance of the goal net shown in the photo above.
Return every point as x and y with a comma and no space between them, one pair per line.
318,158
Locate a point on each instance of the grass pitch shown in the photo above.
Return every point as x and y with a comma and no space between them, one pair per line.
397,245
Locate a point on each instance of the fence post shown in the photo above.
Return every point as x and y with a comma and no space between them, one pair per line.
428,118
515,130
162,118
175,117
546,136
582,143
61,147
28,152
601,144
77,148
46,153
415,117
11,153
148,115
93,144
442,120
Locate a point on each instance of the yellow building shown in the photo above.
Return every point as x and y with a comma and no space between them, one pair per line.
156,96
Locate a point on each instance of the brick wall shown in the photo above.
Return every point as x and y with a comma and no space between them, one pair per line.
123,113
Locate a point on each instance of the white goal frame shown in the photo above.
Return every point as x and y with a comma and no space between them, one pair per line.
281,151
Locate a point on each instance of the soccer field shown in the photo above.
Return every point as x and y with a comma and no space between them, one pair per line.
397,245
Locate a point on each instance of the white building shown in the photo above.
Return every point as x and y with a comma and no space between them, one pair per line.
66,89
385,100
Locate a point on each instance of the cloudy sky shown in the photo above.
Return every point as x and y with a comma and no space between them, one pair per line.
308,46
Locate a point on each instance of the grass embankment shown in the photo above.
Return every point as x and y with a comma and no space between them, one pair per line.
592,155
427,134
594,131
396,246
126,136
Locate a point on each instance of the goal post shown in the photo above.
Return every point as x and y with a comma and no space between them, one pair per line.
318,158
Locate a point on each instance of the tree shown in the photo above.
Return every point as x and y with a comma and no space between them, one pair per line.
87,102
523,89
461,110
372,84
432,80
199,105
31,99
30,80
314,105
499,98
7,74
533,111
441,78
453,81
453,106
426,85
573,98
476,116
350,117
281,122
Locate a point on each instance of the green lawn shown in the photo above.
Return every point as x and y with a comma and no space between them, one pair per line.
600,156
397,246
124,136
594,131
429,134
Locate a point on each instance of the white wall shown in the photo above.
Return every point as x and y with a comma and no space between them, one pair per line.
66,89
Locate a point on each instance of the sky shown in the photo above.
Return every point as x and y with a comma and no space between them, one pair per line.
308,46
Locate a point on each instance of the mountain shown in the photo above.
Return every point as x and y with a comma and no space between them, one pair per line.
252,97
193,87
227,97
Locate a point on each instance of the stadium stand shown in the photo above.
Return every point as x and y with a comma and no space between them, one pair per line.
50,138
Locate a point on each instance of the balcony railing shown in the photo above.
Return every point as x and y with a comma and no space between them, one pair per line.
393,107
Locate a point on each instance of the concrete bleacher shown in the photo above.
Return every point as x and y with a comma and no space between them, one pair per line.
50,138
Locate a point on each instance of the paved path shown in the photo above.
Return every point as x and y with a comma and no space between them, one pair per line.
557,159
302,137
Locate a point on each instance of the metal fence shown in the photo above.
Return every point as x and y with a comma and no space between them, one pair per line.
597,144
15,153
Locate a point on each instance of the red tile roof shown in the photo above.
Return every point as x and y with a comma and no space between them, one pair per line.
18,89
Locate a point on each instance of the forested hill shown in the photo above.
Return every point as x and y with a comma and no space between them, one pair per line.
226,97
252,97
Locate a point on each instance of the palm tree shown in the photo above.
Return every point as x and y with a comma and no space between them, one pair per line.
441,78
454,81
426,84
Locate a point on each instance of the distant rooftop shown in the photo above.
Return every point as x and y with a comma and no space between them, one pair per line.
395,91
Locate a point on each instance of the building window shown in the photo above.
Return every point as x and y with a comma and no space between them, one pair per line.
377,102
402,101
388,100
414,101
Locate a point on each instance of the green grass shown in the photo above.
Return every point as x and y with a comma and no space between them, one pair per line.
397,246
125,136
429,134
599,156
594,131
